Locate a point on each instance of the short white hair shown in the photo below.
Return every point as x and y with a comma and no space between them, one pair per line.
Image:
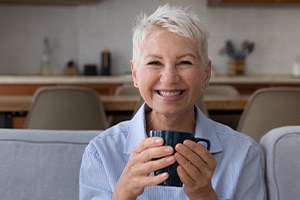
174,19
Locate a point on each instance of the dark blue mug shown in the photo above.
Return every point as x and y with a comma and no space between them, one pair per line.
171,138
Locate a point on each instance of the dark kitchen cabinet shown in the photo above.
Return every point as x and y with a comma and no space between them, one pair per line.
250,2
50,2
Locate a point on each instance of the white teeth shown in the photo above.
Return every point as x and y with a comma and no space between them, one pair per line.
169,94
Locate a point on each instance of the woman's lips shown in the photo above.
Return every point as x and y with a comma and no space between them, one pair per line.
169,93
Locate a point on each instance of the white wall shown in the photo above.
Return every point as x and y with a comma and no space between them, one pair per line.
81,32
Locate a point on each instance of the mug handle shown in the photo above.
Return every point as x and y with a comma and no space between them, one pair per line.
203,140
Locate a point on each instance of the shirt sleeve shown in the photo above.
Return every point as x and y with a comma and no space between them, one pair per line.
93,182
251,183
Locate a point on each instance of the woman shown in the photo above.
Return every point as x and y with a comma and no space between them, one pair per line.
170,66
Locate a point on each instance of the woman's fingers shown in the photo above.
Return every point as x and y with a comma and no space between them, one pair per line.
197,154
151,148
147,143
189,172
155,180
196,166
185,177
153,165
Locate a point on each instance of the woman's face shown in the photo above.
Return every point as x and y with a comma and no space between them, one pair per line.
169,73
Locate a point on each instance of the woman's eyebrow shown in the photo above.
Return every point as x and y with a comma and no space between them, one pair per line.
186,55
153,56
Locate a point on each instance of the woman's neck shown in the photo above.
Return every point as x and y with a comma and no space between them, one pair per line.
184,122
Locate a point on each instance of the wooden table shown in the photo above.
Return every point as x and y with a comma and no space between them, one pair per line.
16,106
21,103
219,103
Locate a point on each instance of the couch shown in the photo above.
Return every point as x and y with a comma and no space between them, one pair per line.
45,164
282,157
41,164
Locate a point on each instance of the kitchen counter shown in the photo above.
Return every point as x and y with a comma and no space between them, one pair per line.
65,79
27,85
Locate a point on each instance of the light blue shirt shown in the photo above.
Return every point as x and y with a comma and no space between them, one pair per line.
238,175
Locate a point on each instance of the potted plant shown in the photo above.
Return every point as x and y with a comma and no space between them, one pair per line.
237,57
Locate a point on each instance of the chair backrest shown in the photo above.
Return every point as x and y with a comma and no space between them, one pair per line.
41,164
281,148
269,108
66,108
127,89
221,90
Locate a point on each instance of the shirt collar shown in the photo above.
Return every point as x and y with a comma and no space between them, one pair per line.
137,130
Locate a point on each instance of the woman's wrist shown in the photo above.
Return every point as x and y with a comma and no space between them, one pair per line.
207,195
122,196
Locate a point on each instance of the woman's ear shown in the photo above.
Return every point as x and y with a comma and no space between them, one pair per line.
207,74
133,68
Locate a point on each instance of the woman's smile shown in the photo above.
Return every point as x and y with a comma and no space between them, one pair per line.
166,93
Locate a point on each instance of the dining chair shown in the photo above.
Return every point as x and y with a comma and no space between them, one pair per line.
231,119
269,108
221,90
127,89
282,162
66,108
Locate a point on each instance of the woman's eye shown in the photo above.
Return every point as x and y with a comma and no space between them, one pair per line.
186,62
153,63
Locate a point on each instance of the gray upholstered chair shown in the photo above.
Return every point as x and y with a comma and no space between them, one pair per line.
66,108
41,164
230,119
127,89
221,90
269,108
282,155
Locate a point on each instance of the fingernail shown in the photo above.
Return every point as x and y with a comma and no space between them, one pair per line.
178,145
158,140
168,149
165,174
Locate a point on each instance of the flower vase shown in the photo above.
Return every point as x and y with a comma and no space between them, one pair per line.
236,67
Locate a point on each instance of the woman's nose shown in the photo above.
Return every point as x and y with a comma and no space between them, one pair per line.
169,75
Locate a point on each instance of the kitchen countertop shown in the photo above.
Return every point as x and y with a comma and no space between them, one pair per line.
65,79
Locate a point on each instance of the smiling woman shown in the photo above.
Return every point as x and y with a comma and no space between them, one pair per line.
170,76
170,67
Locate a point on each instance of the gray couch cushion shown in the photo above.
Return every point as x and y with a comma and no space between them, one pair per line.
282,151
40,164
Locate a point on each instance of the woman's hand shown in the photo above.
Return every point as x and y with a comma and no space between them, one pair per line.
135,176
196,168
